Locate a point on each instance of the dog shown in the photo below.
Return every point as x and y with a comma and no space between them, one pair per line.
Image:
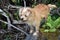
33,16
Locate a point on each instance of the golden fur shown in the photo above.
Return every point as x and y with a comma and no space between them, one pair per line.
36,14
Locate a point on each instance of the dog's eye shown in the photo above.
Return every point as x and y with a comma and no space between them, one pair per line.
20,15
25,15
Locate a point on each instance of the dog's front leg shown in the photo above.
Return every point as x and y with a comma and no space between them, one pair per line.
32,29
36,33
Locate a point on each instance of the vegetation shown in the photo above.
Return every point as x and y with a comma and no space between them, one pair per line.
52,23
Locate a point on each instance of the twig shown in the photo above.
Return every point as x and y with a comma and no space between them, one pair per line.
18,22
15,27
11,6
4,14
16,36
24,3
57,11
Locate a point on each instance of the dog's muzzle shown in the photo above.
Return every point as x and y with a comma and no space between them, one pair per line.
23,19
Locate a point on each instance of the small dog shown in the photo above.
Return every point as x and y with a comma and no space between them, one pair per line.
33,16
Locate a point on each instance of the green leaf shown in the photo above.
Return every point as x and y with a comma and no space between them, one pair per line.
52,30
58,26
49,20
49,25
46,30
57,22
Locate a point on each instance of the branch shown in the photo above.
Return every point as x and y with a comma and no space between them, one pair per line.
24,3
57,11
11,6
18,22
4,14
15,27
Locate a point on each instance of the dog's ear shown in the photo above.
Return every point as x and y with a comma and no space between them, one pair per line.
29,10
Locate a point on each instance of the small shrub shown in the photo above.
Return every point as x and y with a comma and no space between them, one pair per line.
51,25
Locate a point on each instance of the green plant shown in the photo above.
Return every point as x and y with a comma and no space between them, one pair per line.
51,25
16,17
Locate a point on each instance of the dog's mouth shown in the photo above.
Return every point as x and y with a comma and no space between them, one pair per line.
24,20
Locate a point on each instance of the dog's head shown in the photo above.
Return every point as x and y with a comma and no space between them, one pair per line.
24,13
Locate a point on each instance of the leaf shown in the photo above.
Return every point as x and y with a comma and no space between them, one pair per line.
46,30
52,30
57,22
49,20
58,26
44,26
49,25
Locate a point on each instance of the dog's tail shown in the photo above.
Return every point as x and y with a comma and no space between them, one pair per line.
51,6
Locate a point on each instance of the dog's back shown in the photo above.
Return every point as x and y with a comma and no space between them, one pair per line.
41,10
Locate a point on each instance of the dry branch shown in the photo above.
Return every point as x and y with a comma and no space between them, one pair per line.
15,27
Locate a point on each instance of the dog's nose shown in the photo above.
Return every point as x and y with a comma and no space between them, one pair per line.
21,18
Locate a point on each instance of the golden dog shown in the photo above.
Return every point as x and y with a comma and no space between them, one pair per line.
33,16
